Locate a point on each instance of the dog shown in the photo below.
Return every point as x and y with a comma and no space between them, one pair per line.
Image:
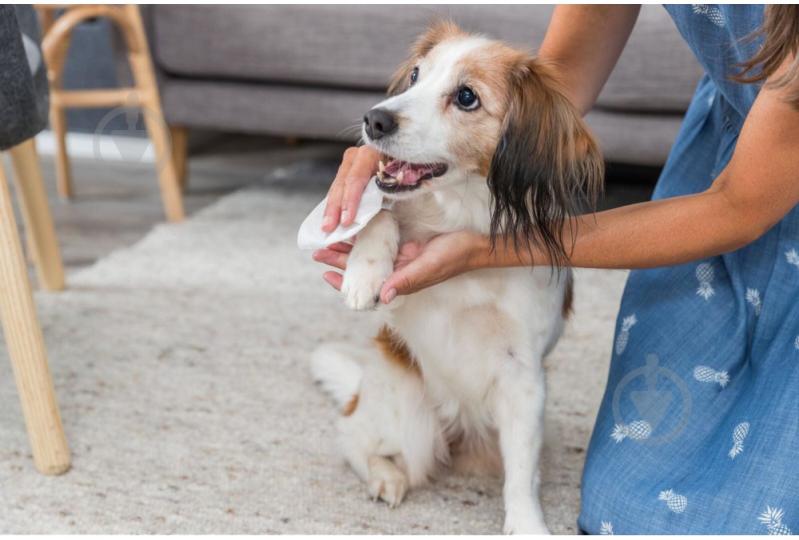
475,135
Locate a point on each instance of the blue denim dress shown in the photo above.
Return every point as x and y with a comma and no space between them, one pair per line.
698,430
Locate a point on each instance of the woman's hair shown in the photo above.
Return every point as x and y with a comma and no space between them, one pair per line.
780,32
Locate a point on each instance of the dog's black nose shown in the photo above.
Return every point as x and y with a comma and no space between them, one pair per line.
379,123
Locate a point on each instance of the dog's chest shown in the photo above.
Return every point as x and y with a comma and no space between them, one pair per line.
462,331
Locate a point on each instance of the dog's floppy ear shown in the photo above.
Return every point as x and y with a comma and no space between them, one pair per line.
545,167
436,33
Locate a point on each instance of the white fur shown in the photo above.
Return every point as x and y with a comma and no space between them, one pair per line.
479,338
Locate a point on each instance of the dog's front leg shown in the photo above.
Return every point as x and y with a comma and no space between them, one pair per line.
519,407
370,262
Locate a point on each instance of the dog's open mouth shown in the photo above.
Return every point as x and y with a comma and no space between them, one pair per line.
395,175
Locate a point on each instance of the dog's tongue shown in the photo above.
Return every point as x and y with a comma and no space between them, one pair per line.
406,173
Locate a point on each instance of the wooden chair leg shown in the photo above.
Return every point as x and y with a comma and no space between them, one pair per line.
179,138
26,348
58,123
36,212
58,113
144,75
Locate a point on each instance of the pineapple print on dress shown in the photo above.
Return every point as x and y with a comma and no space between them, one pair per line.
677,503
772,519
709,375
624,334
637,431
739,435
712,13
792,257
753,297
705,276
606,528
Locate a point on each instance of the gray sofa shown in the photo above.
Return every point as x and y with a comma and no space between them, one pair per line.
312,71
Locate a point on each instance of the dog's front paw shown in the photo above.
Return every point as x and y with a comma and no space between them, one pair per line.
386,481
519,522
362,282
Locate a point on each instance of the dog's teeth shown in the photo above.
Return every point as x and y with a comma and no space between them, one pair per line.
400,176
381,166
380,175
389,181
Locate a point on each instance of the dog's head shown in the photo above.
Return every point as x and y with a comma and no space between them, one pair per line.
464,106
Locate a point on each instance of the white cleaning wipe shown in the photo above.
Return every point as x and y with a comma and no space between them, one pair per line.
311,235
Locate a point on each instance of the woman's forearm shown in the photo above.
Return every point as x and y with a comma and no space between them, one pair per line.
756,190
645,235
584,42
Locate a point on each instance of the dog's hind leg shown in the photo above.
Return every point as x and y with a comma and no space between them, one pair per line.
386,481
519,408
364,449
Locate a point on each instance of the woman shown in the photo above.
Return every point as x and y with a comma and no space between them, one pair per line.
698,429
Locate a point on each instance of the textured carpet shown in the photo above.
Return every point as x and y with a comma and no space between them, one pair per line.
181,369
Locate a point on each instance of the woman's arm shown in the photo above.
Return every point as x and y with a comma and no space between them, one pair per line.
584,43
755,191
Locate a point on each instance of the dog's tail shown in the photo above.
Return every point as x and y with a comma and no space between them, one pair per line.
334,367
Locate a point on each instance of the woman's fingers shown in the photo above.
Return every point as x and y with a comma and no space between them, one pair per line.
362,170
356,169
342,247
401,280
335,194
332,257
422,265
334,279
407,252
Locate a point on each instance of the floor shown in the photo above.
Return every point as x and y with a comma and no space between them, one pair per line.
200,466
117,203
181,367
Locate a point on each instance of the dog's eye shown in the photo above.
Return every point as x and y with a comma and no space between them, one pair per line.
467,99
414,75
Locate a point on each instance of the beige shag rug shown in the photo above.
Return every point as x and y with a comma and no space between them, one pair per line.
181,368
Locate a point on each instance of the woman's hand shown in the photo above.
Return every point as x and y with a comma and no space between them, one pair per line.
417,266
357,167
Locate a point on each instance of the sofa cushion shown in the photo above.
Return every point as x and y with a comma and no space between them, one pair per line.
350,46
358,47
325,113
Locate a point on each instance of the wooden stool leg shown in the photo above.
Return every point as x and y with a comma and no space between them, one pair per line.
144,75
36,212
179,139
26,348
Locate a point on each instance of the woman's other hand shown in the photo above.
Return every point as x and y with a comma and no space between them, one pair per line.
357,167
417,266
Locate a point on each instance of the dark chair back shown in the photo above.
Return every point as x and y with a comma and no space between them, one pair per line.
23,77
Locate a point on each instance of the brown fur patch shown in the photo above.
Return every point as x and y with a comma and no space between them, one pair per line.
435,34
545,167
487,71
568,296
350,406
394,349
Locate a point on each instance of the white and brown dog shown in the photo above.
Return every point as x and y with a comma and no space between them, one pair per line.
475,136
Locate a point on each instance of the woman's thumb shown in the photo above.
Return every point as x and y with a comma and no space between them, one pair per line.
400,282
